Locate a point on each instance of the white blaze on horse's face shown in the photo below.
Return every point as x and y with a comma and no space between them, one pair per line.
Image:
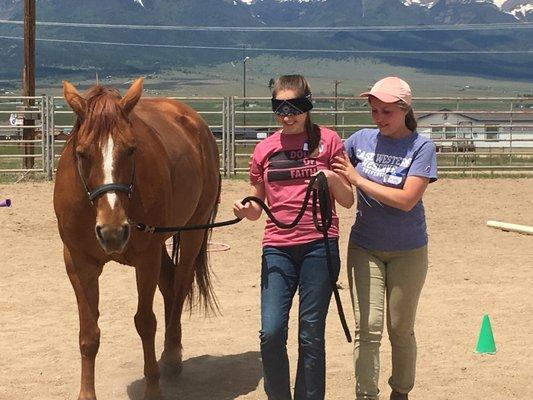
107,156
112,228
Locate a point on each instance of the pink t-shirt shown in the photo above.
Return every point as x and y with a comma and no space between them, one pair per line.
282,164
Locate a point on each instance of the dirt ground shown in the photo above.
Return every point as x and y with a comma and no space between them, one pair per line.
473,270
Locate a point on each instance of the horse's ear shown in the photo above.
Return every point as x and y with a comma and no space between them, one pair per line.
74,99
132,96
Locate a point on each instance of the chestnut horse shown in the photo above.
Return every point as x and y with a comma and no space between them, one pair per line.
147,160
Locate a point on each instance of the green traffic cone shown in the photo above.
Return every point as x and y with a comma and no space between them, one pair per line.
485,343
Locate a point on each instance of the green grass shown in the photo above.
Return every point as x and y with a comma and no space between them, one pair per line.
16,151
355,75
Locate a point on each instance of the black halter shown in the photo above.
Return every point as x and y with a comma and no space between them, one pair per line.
108,187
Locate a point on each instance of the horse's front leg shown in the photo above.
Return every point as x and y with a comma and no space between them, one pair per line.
147,274
84,276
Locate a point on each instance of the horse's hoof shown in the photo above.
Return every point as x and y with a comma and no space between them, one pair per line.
153,393
170,363
170,370
155,396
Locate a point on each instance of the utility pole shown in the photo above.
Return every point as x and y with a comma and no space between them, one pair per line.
28,80
244,59
336,103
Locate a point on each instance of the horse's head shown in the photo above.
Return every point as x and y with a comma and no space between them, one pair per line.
104,145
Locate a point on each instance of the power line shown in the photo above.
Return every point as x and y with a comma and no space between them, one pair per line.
398,28
170,46
268,49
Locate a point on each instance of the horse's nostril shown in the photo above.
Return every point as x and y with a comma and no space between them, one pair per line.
126,232
98,230
113,238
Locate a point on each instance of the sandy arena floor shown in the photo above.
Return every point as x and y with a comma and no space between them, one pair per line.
473,270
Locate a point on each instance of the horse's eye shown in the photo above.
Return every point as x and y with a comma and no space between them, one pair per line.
81,153
131,150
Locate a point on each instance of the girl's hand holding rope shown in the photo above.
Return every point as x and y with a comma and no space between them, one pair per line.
340,187
344,167
242,210
250,209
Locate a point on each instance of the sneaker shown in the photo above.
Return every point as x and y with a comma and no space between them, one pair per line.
398,396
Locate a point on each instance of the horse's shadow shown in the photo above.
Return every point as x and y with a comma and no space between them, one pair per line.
209,378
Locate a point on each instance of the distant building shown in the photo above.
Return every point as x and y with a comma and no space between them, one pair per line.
463,131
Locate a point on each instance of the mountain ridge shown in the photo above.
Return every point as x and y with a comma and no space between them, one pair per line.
53,58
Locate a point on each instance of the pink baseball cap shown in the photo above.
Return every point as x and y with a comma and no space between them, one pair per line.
390,90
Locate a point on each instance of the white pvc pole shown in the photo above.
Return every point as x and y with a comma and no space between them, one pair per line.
525,229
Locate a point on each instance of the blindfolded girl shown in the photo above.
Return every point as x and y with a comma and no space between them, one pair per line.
294,259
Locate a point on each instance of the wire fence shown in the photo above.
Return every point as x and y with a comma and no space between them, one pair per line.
472,134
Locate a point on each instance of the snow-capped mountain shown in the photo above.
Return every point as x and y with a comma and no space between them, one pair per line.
249,2
429,3
521,9
271,13
468,12
491,10
440,11
420,3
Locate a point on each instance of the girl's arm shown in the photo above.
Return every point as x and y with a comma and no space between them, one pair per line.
251,210
402,198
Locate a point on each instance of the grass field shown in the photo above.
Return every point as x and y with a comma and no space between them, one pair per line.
355,75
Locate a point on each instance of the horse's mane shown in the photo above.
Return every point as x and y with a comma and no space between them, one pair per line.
103,113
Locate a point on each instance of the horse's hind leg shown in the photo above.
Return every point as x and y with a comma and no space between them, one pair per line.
147,274
190,246
84,279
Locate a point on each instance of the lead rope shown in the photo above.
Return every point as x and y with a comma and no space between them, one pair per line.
321,197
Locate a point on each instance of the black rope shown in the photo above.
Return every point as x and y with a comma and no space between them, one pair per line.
321,196
160,229
324,201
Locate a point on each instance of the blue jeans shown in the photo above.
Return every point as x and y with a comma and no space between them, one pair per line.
284,269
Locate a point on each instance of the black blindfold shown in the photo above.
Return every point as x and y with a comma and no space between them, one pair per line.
296,106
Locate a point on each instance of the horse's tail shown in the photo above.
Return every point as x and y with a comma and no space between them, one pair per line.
205,296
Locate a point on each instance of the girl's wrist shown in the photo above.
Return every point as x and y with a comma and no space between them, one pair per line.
357,180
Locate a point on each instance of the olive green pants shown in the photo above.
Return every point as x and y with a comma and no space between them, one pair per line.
374,276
